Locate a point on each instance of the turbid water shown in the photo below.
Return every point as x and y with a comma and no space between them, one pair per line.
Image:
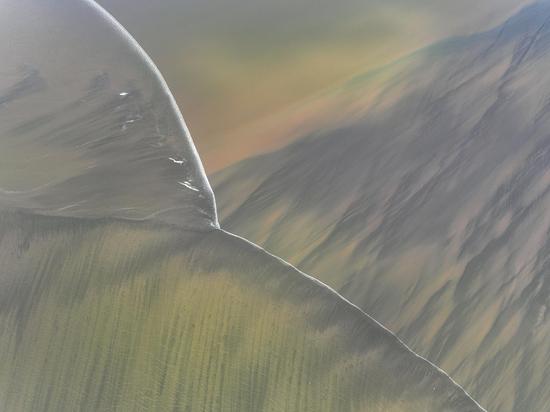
429,208
118,291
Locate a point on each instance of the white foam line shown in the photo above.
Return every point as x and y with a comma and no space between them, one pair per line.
357,308
164,87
